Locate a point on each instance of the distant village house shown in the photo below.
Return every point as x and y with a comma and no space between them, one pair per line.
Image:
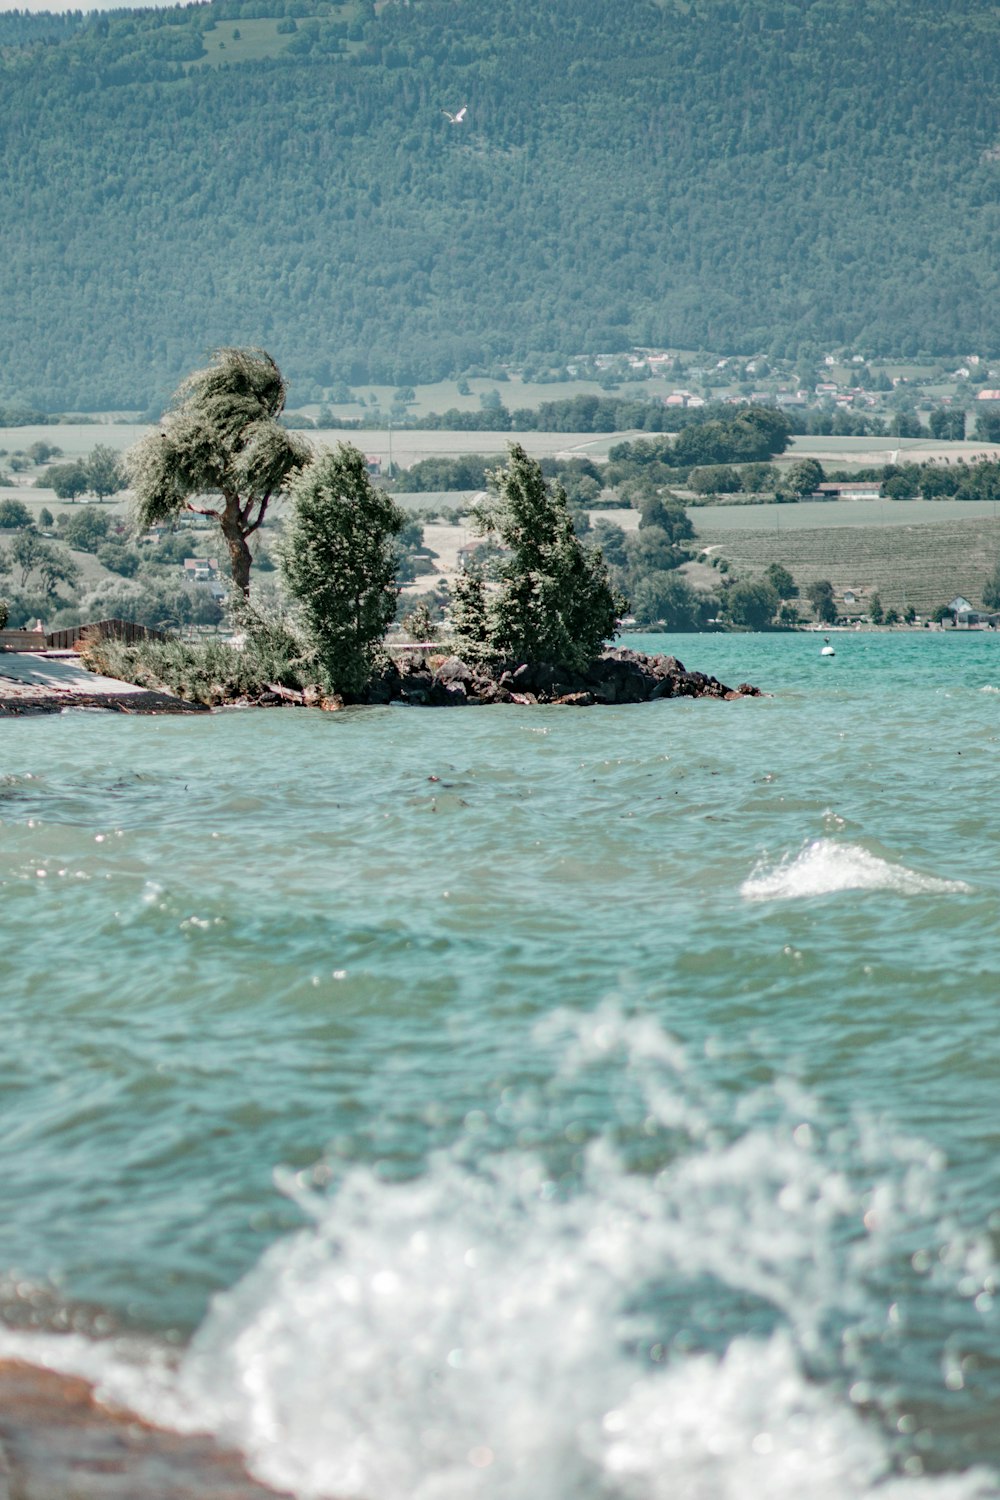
851,489
200,569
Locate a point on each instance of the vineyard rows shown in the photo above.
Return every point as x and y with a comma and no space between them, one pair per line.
923,566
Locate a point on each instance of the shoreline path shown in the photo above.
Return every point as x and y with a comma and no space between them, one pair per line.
34,682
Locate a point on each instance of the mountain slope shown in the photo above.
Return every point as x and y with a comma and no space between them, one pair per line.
726,174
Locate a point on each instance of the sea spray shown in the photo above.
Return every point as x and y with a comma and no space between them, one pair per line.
823,867
698,1300
491,1330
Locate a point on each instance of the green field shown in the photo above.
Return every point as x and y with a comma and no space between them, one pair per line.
444,395
251,40
923,565
822,515
852,452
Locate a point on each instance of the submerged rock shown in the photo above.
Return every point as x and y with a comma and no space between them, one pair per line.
58,1443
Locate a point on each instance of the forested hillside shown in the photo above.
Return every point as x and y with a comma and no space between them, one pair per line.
728,174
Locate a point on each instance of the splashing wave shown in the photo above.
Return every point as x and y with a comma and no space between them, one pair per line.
626,1330
824,866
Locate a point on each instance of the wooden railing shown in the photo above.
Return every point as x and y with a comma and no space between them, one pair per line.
119,630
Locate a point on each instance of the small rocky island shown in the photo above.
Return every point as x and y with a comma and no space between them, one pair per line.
617,675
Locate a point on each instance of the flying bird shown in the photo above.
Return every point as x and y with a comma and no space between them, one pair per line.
456,119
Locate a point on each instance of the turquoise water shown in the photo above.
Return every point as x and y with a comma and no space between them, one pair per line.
523,1102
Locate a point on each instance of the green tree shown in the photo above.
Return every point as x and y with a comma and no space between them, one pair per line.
26,551
418,623
752,603
221,437
671,518
781,581
805,476
555,602
947,424
85,529
991,589
716,479
988,427
612,541
650,550
46,518
904,485
758,432
105,474
14,515
67,480
820,596
905,424
118,559
29,553
41,452
756,478
875,611
339,561
668,599
470,617
55,567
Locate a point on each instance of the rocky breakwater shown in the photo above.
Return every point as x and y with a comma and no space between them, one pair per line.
616,676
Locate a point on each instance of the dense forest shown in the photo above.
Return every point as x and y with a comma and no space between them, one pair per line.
771,175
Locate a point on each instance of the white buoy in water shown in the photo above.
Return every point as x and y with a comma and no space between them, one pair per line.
827,650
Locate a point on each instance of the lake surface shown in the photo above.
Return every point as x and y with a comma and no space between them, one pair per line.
523,1104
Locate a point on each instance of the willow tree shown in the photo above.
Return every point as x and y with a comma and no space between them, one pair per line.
221,438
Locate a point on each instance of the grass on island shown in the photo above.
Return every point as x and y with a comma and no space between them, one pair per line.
211,671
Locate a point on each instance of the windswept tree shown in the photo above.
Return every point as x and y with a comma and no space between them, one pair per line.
221,437
555,602
339,560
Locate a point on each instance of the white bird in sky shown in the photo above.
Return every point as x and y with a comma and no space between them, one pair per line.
456,119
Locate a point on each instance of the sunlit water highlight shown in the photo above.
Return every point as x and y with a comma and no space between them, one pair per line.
522,1102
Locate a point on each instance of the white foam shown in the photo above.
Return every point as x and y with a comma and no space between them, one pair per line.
491,1332
824,866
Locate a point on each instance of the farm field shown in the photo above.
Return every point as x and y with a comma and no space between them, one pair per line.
869,452
923,565
813,515
408,448
514,392
77,439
